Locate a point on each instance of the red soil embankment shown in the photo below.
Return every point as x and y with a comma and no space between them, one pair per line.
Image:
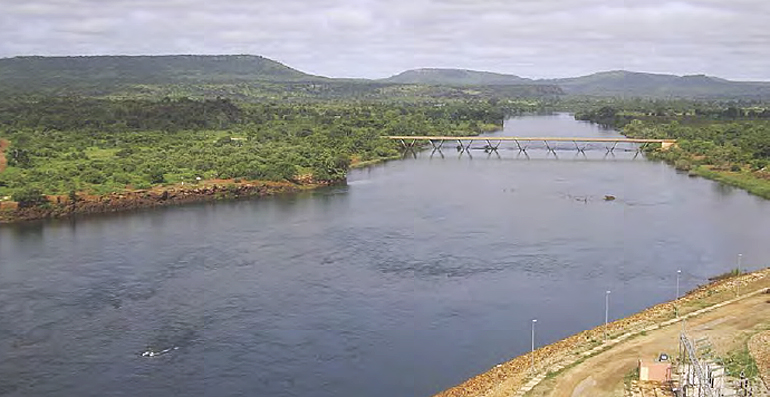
61,206
3,145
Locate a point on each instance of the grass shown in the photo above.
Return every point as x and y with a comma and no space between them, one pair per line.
740,361
726,275
742,180
95,153
362,164
631,376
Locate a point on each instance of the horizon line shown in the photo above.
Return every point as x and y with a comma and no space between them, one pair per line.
534,79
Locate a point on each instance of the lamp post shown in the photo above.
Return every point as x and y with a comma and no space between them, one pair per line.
676,306
737,283
532,352
678,273
606,312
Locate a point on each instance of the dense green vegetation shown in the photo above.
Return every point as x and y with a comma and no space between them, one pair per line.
729,143
61,145
105,124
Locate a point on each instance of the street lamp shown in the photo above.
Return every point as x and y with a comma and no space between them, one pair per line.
737,283
606,312
676,306
532,352
678,273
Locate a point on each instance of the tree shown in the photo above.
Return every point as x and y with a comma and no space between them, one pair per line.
29,197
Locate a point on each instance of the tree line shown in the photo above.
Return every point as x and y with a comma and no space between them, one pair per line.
65,145
726,142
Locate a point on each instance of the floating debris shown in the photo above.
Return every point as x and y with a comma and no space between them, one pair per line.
152,353
609,197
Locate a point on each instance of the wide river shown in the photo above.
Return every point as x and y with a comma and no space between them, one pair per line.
414,276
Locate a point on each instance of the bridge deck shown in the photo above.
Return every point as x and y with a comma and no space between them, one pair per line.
525,139
465,142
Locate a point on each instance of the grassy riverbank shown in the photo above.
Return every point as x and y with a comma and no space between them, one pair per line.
757,185
724,143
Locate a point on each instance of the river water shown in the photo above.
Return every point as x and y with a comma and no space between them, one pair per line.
415,276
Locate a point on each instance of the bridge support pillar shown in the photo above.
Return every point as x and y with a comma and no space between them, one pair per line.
550,149
493,147
579,149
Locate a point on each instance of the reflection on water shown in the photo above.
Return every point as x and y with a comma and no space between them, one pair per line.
414,276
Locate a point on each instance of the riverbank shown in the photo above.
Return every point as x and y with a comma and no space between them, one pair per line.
161,196
363,164
506,379
756,185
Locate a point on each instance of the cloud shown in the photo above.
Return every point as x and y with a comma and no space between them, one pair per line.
377,38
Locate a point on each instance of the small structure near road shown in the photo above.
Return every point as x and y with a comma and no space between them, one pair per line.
654,371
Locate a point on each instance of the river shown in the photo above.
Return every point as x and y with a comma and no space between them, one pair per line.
416,275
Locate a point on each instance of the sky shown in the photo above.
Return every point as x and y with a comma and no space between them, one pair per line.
380,38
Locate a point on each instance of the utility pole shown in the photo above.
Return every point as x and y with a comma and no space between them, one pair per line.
676,304
606,312
532,352
737,282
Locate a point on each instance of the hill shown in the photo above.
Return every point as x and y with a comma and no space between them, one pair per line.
240,77
619,83
454,77
635,84
29,73
256,77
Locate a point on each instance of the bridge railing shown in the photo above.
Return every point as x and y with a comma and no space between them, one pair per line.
464,142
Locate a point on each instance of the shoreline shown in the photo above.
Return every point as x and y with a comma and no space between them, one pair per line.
506,378
162,196
751,184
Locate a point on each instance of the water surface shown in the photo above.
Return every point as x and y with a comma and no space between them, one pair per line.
415,276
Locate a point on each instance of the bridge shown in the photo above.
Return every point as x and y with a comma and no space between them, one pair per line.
522,143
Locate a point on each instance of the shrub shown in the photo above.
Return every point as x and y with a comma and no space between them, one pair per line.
29,197
682,165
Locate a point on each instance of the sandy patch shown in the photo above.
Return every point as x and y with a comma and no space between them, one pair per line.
759,346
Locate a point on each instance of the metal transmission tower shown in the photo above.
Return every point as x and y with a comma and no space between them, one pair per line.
695,374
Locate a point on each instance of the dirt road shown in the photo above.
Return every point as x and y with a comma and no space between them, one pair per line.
603,374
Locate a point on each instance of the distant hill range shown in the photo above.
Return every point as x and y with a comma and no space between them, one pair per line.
169,69
614,83
454,77
102,74
635,84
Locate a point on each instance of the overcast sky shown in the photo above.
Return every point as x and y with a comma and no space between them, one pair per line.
379,38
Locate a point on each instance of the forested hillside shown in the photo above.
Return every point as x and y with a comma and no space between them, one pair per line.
45,71
239,77
255,78
633,84
455,77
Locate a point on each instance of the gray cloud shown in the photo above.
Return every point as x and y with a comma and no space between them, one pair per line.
378,38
